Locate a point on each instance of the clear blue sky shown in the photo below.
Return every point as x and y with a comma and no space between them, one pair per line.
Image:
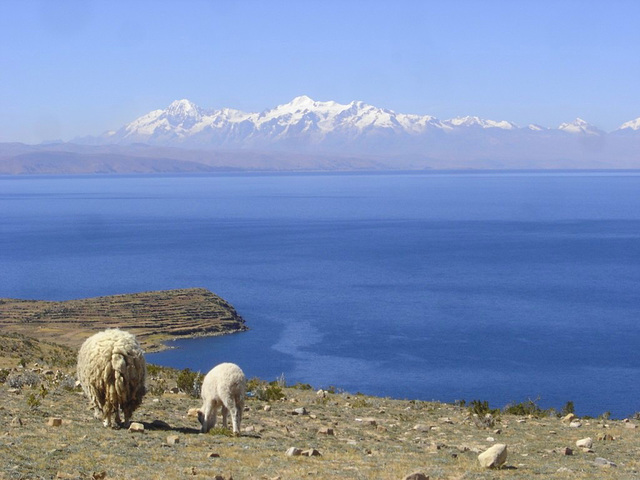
72,68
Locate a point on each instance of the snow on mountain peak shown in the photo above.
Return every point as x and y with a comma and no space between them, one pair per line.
305,122
631,125
579,126
183,108
472,121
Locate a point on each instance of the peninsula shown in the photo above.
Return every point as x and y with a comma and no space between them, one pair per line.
154,317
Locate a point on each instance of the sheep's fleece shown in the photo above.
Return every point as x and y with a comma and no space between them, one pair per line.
112,371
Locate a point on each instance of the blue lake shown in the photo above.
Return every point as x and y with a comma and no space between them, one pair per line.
493,286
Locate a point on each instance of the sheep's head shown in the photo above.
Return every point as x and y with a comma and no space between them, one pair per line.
201,417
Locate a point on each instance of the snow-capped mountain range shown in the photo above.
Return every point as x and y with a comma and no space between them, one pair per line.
308,125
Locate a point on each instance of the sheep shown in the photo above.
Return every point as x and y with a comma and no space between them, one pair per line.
224,386
112,370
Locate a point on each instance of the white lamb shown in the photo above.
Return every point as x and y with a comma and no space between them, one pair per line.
224,386
112,371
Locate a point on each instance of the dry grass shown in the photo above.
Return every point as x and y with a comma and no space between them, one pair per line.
444,445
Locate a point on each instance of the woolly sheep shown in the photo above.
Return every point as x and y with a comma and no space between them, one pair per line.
224,386
112,371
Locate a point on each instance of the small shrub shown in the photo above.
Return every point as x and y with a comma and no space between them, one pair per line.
19,380
4,373
302,386
253,384
33,401
190,382
481,408
360,402
567,409
68,383
530,407
153,370
266,392
220,431
43,391
158,388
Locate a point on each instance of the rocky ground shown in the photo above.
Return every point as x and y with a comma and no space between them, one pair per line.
48,431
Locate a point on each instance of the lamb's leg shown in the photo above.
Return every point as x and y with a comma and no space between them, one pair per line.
237,415
225,412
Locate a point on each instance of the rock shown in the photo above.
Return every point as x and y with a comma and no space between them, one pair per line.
575,424
311,452
494,457
325,431
136,427
48,372
293,452
321,393
570,417
491,439
603,462
174,390
446,420
193,412
564,470
630,425
16,422
173,439
267,408
567,451
416,476
367,421
585,443
606,438
99,475
213,455
54,421
300,411
497,431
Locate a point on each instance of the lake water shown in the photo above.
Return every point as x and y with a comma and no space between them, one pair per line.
492,286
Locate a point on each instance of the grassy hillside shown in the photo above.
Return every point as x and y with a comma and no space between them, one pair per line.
356,436
353,436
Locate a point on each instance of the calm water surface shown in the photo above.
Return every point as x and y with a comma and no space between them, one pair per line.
499,287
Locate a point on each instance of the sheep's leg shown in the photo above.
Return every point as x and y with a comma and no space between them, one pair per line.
208,420
225,412
236,411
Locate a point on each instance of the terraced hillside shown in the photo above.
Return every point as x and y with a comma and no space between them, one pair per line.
153,317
